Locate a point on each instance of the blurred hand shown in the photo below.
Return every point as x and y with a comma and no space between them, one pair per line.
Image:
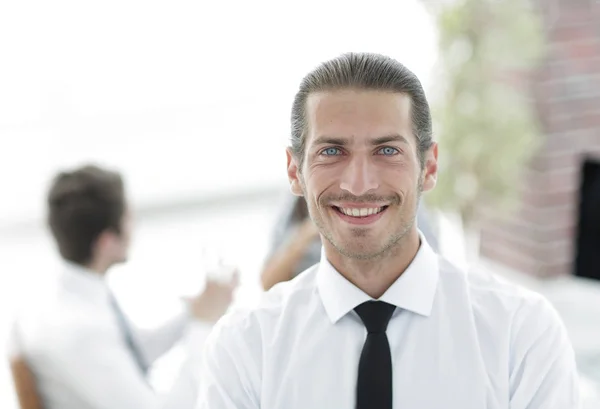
213,302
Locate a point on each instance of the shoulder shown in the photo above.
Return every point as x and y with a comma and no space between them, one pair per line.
59,323
493,297
248,322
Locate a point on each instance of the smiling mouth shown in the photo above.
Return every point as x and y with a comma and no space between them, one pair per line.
359,213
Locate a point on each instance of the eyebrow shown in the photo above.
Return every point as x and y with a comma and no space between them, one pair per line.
329,140
389,138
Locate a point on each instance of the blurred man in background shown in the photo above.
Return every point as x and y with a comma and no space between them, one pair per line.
74,346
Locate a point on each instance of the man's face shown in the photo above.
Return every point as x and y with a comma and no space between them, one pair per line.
124,242
116,245
361,175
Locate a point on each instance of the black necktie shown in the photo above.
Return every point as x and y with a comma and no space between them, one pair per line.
128,336
374,386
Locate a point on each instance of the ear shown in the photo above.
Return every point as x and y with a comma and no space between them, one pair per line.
431,168
293,173
104,241
100,244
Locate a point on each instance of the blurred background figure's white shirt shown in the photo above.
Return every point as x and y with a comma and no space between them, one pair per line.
74,346
458,341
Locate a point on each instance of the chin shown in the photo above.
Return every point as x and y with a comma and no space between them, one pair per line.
362,255
367,247
358,252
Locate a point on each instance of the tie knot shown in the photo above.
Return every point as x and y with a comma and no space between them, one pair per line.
375,315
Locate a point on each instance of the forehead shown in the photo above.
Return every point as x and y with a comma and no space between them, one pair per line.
358,114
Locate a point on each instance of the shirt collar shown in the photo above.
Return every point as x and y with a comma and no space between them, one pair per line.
81,280
414,290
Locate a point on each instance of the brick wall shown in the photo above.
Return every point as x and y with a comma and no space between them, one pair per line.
538,238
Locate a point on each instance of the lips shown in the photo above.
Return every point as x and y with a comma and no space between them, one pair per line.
364,215
360,212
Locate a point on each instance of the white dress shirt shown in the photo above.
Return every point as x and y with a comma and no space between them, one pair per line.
74,346
457,341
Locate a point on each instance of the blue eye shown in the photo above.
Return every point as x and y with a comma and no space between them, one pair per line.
388,151
331,152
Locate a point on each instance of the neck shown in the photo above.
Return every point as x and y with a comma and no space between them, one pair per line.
375,276
98,267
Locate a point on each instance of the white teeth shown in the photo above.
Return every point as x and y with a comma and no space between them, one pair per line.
363,212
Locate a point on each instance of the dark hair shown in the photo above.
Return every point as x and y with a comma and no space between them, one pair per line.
82,204
362,71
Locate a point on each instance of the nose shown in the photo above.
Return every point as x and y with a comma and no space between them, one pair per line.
359,176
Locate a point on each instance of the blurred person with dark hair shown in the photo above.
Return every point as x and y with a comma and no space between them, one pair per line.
75,343
382,321
296,244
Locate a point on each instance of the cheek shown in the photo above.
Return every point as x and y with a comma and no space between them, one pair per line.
320,177
403,179
126,237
